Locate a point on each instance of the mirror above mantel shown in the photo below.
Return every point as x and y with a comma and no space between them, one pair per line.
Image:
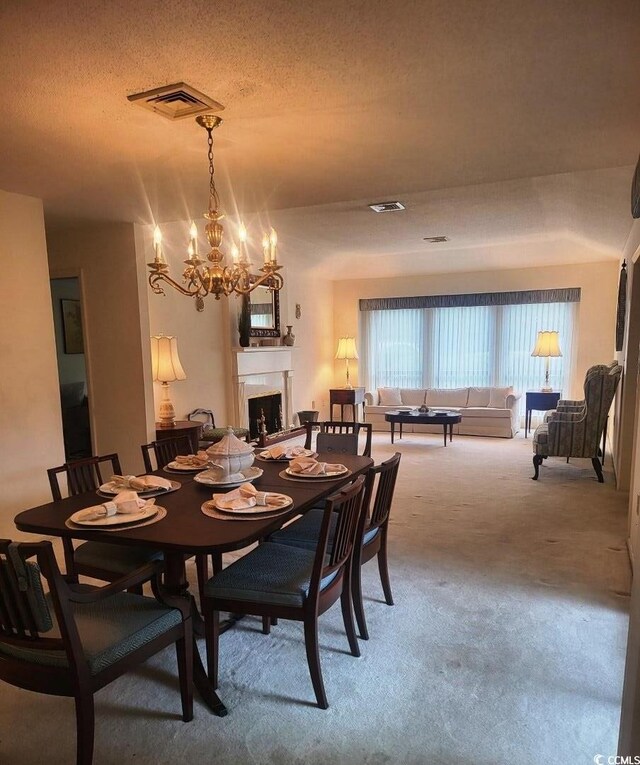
264,305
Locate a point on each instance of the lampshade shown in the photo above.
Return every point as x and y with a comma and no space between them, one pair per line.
547,344
165,361
347,348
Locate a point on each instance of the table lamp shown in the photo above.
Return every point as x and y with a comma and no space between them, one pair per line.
166,367
547,345
347,350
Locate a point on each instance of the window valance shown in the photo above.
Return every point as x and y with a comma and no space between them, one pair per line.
524,297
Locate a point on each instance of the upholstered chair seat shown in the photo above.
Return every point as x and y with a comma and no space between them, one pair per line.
305,531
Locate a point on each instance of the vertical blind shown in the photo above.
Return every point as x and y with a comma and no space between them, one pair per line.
460,346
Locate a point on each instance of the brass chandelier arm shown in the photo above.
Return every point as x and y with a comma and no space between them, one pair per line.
158,276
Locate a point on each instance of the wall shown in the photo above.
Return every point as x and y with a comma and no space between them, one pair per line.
103,257
596,319
30,421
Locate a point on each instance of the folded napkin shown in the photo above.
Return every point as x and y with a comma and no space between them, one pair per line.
125,503
201,459
276,452
140,482
247,496
311,466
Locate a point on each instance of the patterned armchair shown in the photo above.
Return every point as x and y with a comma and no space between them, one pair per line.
576,431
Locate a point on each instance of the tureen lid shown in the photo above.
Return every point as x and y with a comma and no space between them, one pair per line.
229,445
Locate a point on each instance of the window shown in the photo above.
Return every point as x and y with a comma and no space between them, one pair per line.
459,346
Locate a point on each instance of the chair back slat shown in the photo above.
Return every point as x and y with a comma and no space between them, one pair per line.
164,451
386,475
23,608
337,443
330,428
82,475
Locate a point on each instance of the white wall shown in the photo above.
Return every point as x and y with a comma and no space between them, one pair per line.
596,319
103,256
30,420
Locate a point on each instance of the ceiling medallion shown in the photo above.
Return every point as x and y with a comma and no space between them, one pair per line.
201,278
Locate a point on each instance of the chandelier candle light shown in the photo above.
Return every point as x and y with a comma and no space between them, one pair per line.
547,345
200,278
166,367
347,350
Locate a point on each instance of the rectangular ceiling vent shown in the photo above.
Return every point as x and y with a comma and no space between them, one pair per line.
175,102
436,239
387,206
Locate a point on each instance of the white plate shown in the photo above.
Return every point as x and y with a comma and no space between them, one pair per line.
118,519
211,477
110,489
178,467
257,509
319,476
306,453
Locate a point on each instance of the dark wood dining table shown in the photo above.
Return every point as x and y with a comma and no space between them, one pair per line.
187,531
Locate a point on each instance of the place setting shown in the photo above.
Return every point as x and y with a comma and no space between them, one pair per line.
146,486
284,453
188,463
307,469
125,511
246,503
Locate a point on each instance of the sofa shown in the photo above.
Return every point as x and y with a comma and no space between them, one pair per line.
484,411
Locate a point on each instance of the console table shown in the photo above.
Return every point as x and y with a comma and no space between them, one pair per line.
189,428
540,401
342,397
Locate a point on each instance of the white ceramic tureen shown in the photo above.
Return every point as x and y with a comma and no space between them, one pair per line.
231,454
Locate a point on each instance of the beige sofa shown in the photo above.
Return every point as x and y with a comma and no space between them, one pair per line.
484,411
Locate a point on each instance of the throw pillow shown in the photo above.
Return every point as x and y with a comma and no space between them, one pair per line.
479,397
389,396
498,398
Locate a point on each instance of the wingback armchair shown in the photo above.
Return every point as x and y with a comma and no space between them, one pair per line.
577,430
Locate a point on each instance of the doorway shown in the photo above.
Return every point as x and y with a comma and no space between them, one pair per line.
72,371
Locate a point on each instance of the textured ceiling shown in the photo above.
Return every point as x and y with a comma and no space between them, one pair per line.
326,102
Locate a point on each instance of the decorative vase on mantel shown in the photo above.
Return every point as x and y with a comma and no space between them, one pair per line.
289,338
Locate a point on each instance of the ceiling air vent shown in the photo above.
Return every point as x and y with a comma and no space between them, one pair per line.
175,102
387,206
436,239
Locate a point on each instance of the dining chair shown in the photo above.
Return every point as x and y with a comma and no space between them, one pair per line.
210,434
340,437
73,642
280,581
372,533
164,451
100,560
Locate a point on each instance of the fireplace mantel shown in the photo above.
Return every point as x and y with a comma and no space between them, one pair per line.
249,368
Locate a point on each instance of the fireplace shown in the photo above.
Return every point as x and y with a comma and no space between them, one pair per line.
269,404
258,372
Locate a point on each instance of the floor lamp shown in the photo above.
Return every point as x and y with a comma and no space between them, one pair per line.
347,350
166,367
547,346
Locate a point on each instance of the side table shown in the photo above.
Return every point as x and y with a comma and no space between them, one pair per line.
189,428
540,401
342,397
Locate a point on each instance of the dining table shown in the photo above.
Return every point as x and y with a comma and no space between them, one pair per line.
186,531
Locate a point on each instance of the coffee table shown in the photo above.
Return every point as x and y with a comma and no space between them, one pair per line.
446,419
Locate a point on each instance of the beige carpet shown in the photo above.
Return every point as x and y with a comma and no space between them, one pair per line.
505,646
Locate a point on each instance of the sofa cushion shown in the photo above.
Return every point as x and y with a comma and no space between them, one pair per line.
498,399
479,396
389,396
413,396
447,397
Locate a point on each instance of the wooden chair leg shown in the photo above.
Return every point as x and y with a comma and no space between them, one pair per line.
383,568
313,659
358,605
598,468
216,563
69,560
347,618
184,655
274,621
85,723
202,572
537,461
136,590
266,625
212,637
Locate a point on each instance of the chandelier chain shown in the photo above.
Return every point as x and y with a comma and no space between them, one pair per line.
214,200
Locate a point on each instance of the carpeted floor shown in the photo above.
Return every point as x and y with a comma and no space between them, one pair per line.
505,646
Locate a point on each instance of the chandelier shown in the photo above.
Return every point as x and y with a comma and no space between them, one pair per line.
213,277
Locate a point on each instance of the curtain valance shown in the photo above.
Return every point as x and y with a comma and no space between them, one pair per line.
524,297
